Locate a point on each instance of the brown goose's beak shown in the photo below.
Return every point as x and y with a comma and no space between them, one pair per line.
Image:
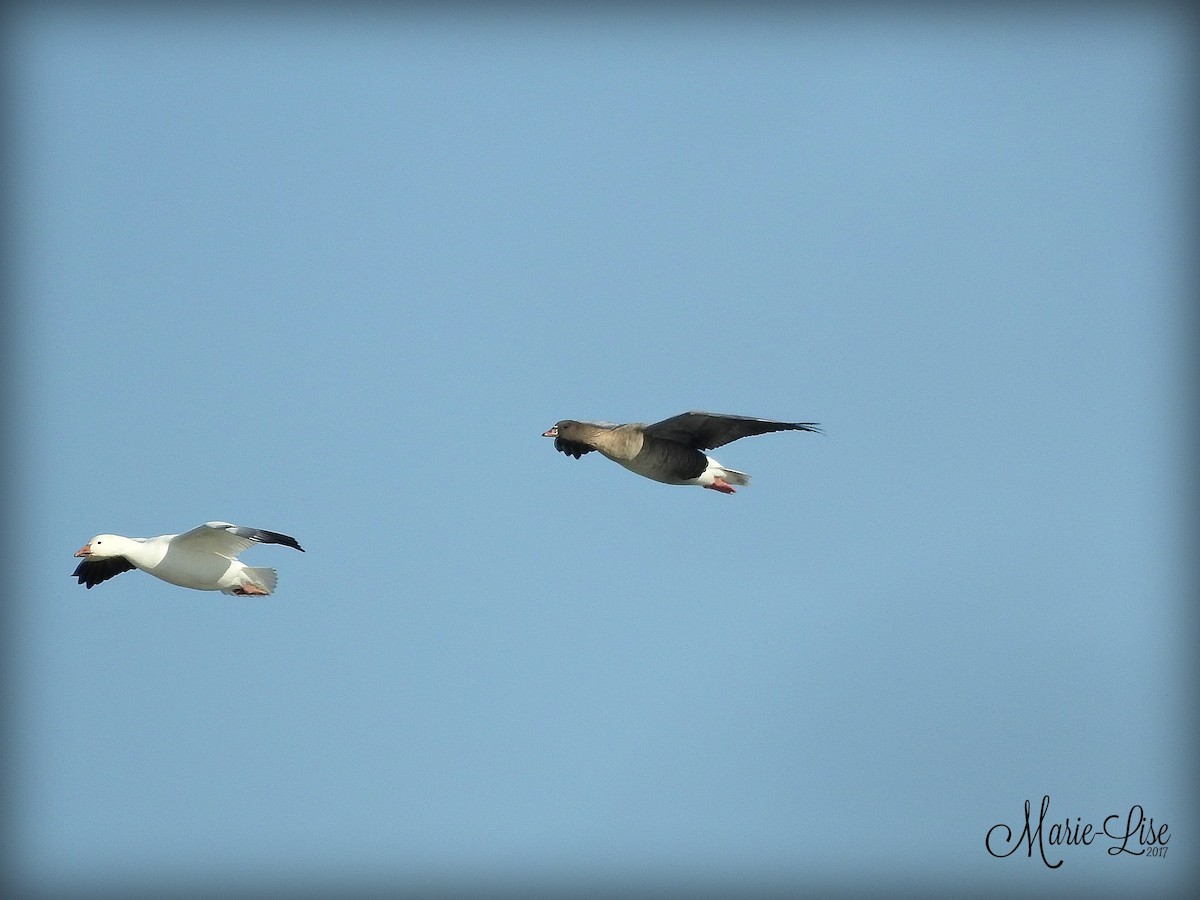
85,550
553,432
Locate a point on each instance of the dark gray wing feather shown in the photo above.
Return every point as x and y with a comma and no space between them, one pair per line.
91,572
572,448
705,431
262,536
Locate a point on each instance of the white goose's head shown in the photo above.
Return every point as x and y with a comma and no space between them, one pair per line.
102,546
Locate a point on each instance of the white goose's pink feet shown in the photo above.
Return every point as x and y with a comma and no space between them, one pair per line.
721,485
250,590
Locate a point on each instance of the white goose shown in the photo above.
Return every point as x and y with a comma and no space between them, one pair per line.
204,558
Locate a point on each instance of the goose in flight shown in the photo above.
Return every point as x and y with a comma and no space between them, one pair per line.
670,451
204,558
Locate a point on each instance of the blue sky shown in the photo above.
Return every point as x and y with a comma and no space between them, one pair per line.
333,273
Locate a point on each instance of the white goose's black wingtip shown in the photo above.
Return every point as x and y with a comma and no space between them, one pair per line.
92,572
274,537
262,536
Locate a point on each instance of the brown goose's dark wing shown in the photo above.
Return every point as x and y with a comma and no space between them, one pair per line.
704,431
91,572
571,448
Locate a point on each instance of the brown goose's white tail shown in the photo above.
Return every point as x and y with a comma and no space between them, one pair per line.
733,476
720,478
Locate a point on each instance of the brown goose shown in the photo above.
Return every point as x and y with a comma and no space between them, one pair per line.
669,451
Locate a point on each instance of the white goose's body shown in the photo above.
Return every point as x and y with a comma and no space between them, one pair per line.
203,559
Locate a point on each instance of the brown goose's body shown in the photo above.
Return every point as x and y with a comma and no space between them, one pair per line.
670,451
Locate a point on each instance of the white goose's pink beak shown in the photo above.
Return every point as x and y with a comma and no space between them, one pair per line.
85,550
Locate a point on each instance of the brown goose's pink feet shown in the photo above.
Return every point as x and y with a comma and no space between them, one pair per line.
721,485
250,590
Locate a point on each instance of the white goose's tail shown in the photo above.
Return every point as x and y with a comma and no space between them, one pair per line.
266,578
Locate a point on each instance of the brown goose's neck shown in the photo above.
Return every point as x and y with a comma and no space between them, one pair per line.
622,442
